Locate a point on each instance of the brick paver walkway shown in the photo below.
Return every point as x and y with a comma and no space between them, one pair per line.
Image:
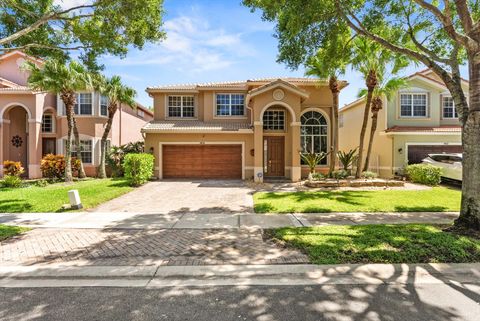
136,247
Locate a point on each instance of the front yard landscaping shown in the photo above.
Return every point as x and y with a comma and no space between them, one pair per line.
437,199
409,243
7,231
52,197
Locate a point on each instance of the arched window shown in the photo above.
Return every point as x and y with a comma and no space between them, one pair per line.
314,133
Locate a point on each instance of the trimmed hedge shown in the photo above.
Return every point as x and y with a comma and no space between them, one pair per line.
424,174
138,168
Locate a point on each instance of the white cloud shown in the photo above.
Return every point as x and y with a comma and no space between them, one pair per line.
192,45
65,4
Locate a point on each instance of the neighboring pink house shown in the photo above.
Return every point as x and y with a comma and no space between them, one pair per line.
33,123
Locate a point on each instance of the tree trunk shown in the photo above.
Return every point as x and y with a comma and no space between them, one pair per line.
470,207
112,108
376,107
68,99
333,84
371,83
78,149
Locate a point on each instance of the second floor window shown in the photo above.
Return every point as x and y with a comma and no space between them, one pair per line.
104,105
448,108
47,123
413,105
84,104
230,105
181,106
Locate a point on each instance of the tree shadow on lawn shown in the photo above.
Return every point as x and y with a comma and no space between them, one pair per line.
408,243
431,208
14,206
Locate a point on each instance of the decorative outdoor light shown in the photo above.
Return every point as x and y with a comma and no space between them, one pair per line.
17,141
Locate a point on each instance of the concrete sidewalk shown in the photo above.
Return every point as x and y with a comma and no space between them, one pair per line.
122,220
164,276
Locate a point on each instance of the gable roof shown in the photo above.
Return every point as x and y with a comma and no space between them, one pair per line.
279,83
9,84
21,53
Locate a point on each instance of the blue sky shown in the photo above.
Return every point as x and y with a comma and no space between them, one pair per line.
210,40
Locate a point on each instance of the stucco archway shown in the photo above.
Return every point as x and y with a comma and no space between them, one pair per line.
282,104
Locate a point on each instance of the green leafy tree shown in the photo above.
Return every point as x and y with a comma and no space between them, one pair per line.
64,80
118,94
90,28
326,65
442,35
386,89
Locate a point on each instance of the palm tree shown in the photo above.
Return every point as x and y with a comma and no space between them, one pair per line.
117,94
62,79
371,60
387,88
323,67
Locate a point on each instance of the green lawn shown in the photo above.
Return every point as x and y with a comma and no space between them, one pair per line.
436,199
51,198
410,243
7,231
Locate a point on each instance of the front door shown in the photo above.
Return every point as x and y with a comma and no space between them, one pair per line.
48,146
274,156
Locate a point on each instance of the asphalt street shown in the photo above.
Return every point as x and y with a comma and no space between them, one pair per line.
416,302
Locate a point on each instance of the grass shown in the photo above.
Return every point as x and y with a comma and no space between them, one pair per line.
437,199
52,197
409,243
7,231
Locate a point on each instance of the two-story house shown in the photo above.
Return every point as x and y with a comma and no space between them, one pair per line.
239,130
419,120
33,123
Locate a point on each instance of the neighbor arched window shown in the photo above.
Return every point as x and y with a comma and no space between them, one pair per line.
314,133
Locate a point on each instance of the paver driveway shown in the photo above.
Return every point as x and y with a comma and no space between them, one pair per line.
181,196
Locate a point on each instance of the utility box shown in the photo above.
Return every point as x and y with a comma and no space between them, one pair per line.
75,202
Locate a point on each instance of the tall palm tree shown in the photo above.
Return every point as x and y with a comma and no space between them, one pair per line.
371,60
117,94
387,89
62,79
323,67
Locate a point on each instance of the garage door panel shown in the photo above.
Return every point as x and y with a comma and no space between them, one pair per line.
416,153
202,161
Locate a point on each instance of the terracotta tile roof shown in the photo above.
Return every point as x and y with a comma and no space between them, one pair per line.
440,129
235,84
193,125
10,84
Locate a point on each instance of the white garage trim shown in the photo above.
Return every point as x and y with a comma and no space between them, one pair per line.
160,152
426,143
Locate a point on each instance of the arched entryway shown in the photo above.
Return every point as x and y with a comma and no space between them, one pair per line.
15,128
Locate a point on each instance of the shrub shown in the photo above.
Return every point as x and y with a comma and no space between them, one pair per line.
12,168
347,158
41,183
312,159
138,168
53,166
369,175
424,174
12,181
317,176
340,174
117,154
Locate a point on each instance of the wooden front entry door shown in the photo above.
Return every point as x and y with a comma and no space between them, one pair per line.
49,146
274,157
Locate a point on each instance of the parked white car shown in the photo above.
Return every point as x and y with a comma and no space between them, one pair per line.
451,164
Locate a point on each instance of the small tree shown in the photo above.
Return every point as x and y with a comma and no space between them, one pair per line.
65,80
117,94
312,160
348,159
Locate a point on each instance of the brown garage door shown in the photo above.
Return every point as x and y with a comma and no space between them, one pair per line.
202,161
416,153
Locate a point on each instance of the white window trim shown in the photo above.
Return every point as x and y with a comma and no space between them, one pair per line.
327,119
85,138
92,100
427,104
443,107
54,127
215,115
195,109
